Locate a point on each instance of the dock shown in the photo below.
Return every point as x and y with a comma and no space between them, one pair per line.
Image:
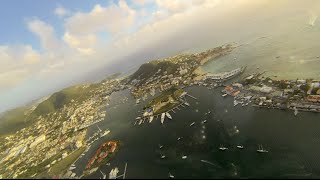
191,96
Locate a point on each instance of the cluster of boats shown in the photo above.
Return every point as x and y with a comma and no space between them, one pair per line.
140,120
97,135
259,150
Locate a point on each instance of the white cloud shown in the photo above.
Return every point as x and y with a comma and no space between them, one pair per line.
46,34
141,2
61,11
113,18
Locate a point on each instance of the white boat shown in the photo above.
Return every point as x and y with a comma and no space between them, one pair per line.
179,138
138,101
261,150
150,119
137,118
171,176
295,111
168,115
204,121
235,102
99,128
72,168
162,156
240,147
224,95
162,117
186,103
105,133
184,157
113,173
192,124
140,121
222,148
160,146
104,176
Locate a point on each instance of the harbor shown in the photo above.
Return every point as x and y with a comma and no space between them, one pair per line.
179,140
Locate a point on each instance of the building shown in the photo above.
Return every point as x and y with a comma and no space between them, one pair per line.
38,140
266,89
313,98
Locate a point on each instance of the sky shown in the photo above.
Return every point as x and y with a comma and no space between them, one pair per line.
47,45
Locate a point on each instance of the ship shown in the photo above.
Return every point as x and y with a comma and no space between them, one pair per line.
261,150
150,119
162,117
102,155
168,115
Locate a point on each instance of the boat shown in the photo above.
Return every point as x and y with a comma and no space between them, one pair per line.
168,115
204,121
140,121
224,95
192,124
137,118
104,176
150,119
105,133
171,176
179,138
113,173
295,111
72,168
235,102
222,148
261,150
184,157
138,101
186,103
240,147
162,156
160,146
162,117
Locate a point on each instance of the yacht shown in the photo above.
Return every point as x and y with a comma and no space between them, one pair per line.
160,146
192,124
162,117
168,115
240,147
140,121
224,95
187,104
204,121
179,138
150,119
184,157
137,118
171,176
261,150
162,156
222,148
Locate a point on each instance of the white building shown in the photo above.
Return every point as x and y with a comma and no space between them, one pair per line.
38,140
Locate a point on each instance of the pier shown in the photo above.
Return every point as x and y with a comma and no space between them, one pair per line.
191,96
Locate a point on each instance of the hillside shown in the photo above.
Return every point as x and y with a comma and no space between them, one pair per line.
13,120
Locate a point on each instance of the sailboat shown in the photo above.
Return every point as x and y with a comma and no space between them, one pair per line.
222,148
179,138
150,119
204,121
162,117
184,157
186,103
261,150
192,124
160,146
162,156
168,115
